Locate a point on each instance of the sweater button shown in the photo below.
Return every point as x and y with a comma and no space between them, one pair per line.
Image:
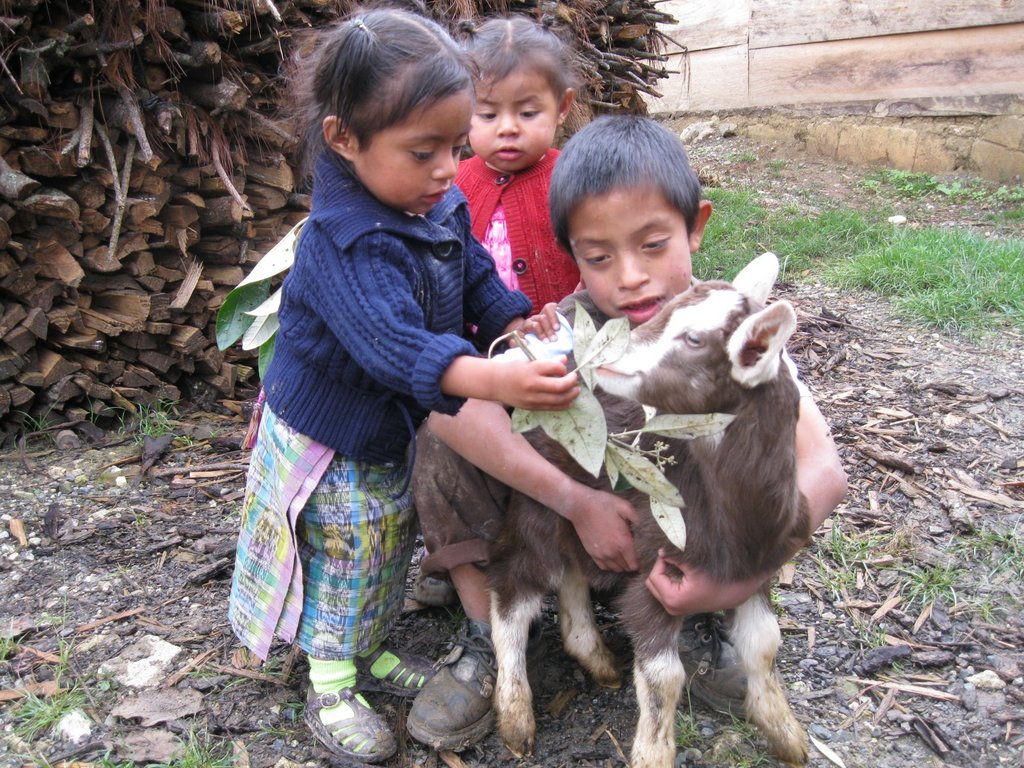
519,266
501,180
443,249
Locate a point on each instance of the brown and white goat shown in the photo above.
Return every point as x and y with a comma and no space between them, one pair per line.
715,348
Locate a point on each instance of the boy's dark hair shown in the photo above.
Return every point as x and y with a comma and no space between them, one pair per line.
501,45
372,71
617,152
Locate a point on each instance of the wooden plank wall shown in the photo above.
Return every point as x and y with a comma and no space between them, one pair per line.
929,56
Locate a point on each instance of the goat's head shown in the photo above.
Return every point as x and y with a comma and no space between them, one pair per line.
683,358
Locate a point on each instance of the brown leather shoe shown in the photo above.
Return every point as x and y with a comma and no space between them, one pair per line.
454,710
714,676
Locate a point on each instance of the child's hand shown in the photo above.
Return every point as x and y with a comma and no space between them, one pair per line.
544,325
538,385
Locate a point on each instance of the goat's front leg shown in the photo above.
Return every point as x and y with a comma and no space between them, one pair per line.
580,636
756,637
513,699
658,675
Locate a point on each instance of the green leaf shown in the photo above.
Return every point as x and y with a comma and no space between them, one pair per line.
262,329
277,260
266,352
524,420
583,332
642,474
688,426
580,429
268,307
607,345
232,320
671,521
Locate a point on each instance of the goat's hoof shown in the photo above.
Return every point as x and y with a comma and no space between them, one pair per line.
519,744
614,683
792,749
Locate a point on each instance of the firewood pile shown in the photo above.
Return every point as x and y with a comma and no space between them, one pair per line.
144,169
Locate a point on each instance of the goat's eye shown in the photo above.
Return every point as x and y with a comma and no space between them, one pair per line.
693,339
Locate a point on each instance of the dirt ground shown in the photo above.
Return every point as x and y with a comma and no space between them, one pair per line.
902,622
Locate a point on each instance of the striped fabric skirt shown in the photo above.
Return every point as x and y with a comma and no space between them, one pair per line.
323,550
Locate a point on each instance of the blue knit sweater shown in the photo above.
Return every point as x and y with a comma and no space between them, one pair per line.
372,314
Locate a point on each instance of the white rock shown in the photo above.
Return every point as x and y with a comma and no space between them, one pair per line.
897,220
74,727
987,681
142,664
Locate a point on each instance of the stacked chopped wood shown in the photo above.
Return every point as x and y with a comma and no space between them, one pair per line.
144,170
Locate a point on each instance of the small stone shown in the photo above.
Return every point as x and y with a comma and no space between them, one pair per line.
987,681
67,440
897,220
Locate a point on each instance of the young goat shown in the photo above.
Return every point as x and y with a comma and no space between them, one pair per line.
714,348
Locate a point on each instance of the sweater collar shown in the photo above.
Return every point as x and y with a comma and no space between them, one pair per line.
542,167
342,203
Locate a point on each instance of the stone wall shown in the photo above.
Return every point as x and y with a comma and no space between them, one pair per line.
989,146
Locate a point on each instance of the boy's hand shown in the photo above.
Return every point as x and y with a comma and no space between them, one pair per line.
544,324
693,591
602,521
538,385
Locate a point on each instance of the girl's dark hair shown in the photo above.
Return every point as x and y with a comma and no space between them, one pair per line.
500,46
621,152
372,71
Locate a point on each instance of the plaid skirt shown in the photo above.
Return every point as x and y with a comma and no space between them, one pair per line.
323,550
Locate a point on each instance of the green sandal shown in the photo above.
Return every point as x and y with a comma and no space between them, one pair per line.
364,737
406,678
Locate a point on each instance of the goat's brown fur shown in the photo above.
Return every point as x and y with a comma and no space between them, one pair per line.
743,514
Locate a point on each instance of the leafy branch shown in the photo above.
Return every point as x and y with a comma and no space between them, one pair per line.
583,430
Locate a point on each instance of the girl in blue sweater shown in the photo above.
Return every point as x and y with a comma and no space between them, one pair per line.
387,274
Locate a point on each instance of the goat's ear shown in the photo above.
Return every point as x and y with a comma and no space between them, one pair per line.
755,347
755,280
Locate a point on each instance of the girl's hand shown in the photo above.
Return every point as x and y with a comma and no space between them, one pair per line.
683,593
602,521
538,385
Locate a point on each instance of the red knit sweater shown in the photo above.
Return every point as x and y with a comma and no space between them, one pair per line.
546,273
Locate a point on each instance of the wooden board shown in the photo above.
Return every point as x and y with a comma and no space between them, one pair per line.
785,22
770,23
967,62
702,25
706,80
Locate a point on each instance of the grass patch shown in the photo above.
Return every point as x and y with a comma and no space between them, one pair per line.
952,280
35,715
202,751
948,279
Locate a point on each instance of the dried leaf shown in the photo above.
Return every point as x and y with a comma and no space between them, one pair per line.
671,521
827,752
160,706
688,426
17,528
642,474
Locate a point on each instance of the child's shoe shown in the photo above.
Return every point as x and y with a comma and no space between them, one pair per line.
358,733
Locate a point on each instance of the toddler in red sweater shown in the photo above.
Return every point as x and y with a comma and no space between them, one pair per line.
524,91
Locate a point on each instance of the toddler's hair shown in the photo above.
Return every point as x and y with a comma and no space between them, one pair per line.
372,71
500,46
621,152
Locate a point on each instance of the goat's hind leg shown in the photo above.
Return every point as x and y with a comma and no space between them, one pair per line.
513,699
580,636
756,637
